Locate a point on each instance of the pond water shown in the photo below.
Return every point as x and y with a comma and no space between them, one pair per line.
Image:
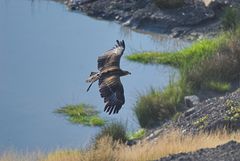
46,53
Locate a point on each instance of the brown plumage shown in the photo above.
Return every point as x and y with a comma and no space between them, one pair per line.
110,86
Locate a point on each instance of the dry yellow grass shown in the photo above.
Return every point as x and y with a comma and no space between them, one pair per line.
171,143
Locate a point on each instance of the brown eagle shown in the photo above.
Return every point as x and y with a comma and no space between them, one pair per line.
108,76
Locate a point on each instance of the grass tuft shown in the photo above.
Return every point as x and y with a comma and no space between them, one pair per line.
81,114
115,130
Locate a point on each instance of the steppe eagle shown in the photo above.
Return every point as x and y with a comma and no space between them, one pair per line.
108,76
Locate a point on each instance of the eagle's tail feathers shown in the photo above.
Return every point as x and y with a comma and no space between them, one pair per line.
94,76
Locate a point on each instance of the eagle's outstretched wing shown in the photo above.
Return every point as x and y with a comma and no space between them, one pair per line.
112,91
111,57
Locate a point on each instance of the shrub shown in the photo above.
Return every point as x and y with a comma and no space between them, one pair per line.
169,3
147,108
230,19
156,106
114,130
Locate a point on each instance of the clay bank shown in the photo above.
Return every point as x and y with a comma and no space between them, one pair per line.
185,19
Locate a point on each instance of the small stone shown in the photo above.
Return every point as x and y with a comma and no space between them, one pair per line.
117,17
191,101
221,98
127,23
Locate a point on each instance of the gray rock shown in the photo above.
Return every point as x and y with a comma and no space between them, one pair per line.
191,101
189,112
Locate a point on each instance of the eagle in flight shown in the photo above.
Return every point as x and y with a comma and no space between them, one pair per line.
108,76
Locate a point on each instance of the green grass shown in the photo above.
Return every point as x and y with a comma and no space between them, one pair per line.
136,135
81,114
189,55
219,86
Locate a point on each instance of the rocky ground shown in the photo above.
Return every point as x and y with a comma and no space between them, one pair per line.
194,19
212,114
227,152
209,115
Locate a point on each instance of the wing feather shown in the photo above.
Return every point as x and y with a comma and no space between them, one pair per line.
111,89
111,57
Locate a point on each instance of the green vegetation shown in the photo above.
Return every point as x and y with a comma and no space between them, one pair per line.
115,130
81,114
157,106
219,86
206,64
136,135
169,3
201,122
233,110
209,60
182,58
